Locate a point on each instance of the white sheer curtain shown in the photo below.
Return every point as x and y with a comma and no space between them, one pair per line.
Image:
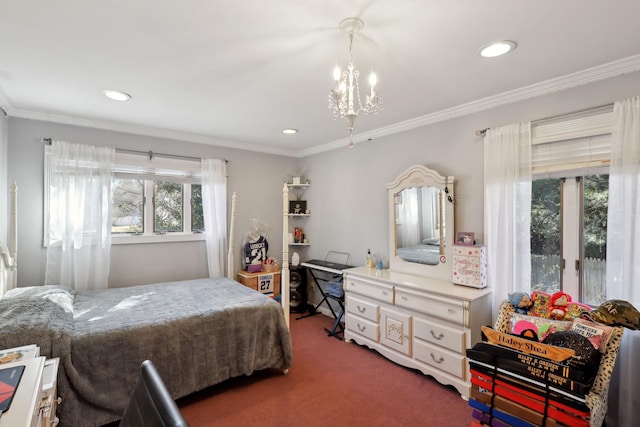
409,228
623,223
623,255
214,209
507,175
79,220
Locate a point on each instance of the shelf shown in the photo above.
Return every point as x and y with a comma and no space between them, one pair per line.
298,185
299,244
299,215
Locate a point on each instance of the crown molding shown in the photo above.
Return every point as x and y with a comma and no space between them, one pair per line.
609,70
147,131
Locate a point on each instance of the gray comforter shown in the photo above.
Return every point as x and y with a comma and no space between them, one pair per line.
197,333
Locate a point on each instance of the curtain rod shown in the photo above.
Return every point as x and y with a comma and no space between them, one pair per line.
150,154
482,132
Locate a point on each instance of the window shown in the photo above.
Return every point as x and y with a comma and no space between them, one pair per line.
569,236
154,199
144,207
197,215
168,207
569,204
128,206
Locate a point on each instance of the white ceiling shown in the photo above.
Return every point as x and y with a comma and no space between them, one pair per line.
238,72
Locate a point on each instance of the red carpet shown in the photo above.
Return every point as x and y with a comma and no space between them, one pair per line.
331,383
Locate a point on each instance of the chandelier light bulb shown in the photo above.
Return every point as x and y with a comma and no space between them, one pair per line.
343,86
373,79
336,73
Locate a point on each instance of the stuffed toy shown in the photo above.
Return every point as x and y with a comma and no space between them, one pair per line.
559,302
520,301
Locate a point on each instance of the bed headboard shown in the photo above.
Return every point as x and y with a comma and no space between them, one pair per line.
8,260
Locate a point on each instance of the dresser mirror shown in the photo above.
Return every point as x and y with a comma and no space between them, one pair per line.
421,222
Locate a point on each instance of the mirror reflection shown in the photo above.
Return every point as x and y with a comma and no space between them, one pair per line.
419,225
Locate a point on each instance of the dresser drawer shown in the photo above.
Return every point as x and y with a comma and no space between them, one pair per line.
444,308
440,358
435,333
362,327
362,308
374,290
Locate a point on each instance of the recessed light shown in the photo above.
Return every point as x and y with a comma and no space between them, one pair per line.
289,131
116,95
498,48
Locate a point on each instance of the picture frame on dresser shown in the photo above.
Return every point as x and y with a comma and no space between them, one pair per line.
465,238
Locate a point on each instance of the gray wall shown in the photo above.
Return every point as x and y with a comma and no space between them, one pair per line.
257,178
347,197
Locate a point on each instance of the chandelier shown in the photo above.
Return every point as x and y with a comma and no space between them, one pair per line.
344,98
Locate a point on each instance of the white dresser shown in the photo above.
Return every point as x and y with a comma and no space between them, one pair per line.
418,322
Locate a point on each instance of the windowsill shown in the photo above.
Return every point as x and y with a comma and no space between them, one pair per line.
130,239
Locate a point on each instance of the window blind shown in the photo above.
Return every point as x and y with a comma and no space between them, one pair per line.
575,141
139,166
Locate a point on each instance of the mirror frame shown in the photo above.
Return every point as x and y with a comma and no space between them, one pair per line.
421,176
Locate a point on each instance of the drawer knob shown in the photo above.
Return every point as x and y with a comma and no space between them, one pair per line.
438,360
451,310
361,328
362,309
384,293
404,298
438,337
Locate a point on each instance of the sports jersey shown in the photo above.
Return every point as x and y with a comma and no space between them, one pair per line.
255,251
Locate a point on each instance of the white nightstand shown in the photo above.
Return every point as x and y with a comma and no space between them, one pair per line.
35,401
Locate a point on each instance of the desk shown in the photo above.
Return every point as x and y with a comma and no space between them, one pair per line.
317,266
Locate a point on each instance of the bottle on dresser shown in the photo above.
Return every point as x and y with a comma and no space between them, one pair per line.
371,259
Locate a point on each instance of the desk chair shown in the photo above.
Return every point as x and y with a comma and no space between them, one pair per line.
150,404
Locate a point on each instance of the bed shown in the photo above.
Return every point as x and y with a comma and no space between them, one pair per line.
197,332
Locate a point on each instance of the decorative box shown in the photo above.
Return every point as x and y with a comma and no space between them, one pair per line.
470,266
267,283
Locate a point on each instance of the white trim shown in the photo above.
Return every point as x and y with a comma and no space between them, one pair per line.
129,239
146,131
